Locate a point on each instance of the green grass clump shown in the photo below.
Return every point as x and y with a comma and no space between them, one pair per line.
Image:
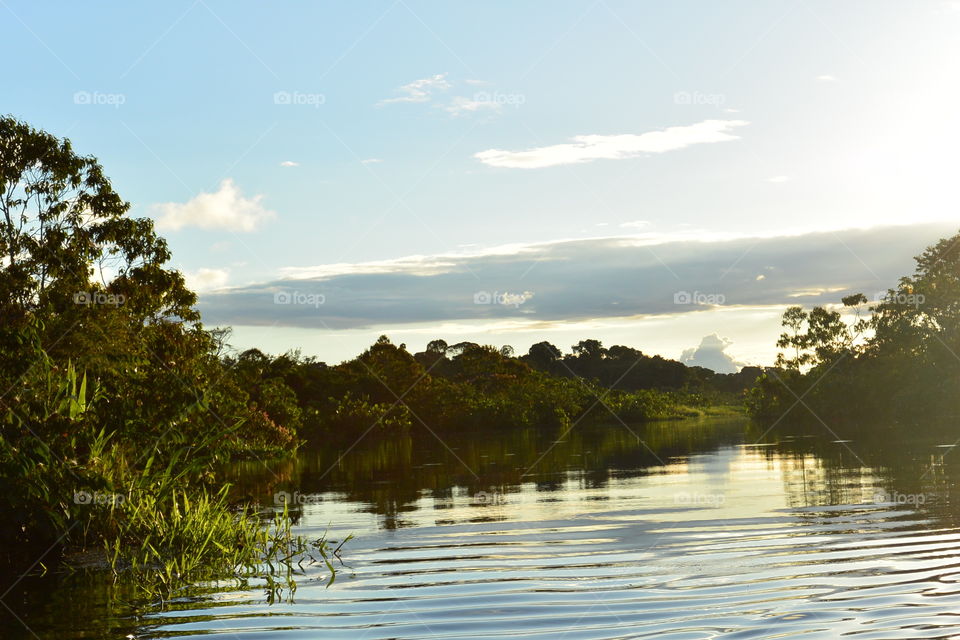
174,543
157,516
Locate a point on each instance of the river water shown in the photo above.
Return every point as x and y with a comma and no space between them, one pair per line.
695,529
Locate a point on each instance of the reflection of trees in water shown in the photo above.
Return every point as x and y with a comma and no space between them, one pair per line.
905,464
811,481
390,474
58,605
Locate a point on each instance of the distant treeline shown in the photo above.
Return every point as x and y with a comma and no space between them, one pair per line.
897,357
466,385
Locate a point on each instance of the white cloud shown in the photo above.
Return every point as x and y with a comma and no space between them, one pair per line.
289,163
814,292
588,148
779,179
206,279
371,161
419,90
461,105
635,224
415,265
826,78
712,354
223,209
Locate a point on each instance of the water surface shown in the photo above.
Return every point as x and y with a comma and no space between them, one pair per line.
696,529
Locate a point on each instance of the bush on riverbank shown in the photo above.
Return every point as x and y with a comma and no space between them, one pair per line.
156,517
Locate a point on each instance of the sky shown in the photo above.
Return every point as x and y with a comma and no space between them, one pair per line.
669,176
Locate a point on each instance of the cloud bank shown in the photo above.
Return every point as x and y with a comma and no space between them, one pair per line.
577,280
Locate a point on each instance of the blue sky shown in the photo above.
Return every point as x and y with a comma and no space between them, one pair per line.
380,153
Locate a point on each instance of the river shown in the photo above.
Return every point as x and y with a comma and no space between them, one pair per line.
694,529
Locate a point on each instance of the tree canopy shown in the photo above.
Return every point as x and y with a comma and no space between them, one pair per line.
897,355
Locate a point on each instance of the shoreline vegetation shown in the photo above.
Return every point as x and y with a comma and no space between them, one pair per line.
117,405
896,358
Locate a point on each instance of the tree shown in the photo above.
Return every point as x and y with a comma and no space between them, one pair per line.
827,335
819,336
794,338
437,346
589,349
920,318
543,356
82,282
456,349
63,224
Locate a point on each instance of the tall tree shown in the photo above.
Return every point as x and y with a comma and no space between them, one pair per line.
65,236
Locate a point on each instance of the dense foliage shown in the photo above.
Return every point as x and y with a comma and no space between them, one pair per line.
114,399
898,357
459,387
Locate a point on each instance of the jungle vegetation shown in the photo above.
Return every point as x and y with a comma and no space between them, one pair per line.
896,357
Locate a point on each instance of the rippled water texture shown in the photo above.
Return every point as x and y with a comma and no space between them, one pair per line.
693,531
